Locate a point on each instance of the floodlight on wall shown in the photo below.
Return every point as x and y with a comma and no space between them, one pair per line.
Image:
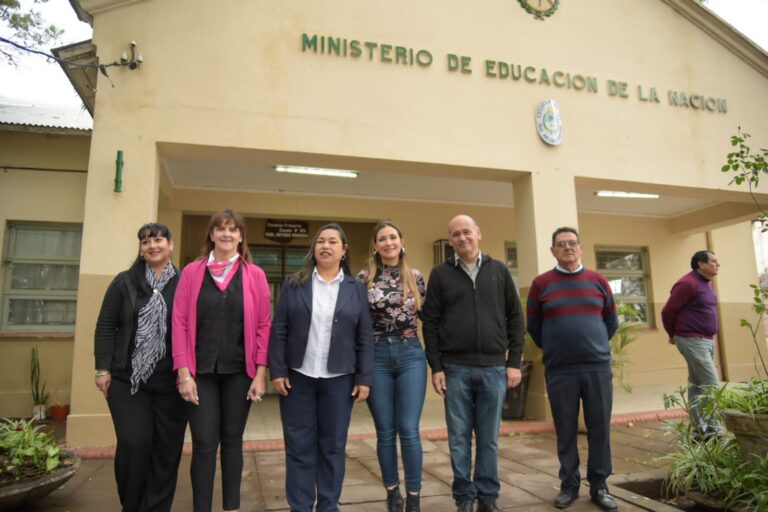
316,171
625,195
134,61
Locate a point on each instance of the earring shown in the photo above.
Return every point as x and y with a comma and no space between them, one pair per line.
402,251
343,257
375,252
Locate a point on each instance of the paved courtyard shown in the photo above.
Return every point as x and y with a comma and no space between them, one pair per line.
527,467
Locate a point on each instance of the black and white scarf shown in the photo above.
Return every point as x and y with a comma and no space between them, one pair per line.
151,329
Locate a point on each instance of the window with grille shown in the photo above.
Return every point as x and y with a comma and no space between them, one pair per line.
626,269
41,265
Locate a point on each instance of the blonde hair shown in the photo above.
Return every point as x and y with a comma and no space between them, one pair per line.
407,276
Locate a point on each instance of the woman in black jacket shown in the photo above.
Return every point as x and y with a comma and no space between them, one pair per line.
134,370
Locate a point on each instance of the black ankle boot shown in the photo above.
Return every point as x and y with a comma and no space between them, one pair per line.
394,500
412,503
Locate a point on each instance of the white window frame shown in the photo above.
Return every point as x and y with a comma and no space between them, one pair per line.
7,264
644,273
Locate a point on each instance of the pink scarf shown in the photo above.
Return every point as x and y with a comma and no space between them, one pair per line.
222,272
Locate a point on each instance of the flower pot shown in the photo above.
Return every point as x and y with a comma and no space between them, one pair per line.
751,431
38,412
58,412
22,494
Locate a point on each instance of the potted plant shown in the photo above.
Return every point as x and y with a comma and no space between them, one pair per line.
39,395
629,322
32,463
713,472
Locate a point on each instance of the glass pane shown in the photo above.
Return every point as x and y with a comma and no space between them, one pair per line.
294,259
47,243
44,276
269,259
41,312
619,260
511,257
628,286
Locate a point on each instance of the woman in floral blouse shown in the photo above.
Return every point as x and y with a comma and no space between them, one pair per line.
396,293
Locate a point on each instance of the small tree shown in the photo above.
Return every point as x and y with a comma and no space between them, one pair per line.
748,167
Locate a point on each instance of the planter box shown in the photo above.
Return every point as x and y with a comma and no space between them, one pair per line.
22,494
751,432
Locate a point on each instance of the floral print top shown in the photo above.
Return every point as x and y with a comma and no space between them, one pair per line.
390,316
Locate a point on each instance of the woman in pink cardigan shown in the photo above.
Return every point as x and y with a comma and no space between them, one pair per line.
220,339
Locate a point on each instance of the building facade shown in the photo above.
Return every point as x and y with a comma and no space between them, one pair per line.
434,105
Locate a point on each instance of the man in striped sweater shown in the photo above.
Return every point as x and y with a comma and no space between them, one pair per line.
572,317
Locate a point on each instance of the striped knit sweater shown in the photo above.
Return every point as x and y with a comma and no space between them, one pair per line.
572,318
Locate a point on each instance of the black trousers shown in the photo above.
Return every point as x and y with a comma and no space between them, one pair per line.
595,391
150,435
218,420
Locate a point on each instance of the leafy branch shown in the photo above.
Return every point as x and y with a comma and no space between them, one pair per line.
747,165
27,28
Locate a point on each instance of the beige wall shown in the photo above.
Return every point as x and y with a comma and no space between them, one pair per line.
251,89
38,196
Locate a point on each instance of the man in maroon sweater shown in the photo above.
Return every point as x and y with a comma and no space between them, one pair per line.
690,319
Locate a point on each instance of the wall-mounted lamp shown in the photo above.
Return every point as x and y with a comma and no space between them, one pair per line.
136,59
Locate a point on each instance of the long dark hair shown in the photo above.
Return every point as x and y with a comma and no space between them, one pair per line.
219,219
302,276
151,230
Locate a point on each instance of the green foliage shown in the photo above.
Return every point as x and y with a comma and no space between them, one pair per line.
26,28
39,396
715,467
750,398
26,451
629,322
747,165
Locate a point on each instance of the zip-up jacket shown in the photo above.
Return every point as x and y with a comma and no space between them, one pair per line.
472,324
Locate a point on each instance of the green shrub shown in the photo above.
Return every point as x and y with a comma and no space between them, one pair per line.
26,450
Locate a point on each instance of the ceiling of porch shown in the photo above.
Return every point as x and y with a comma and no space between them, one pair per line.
198,168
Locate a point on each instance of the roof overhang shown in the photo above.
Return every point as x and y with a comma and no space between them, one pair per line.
83,79
722,31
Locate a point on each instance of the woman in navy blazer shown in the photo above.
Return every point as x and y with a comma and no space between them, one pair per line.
320,361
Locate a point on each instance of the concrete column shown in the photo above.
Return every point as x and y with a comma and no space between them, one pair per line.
109,246
543,202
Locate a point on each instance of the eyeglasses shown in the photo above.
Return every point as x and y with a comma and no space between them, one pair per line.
562,244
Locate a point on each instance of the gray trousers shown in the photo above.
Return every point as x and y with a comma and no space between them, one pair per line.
699,353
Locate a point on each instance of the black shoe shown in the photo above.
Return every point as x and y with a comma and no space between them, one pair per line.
394,500
565,499
412,503
465,506
605,501
487,506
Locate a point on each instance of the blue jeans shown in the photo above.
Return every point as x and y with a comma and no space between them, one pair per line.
396,401
699,353
473,399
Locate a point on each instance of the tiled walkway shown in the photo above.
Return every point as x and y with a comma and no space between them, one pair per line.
527,467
